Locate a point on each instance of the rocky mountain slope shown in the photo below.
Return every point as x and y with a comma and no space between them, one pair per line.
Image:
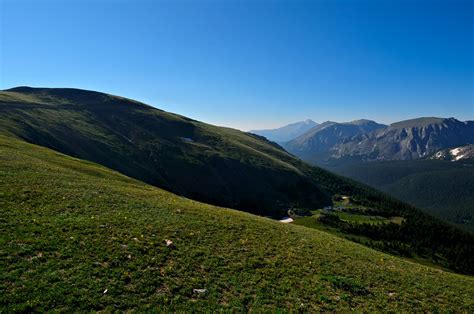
328,135
460,153
410,139
369,141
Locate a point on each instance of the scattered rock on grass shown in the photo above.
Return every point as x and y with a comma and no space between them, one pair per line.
169,243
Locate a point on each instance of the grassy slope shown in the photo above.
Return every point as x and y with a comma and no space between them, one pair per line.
71,229
220,165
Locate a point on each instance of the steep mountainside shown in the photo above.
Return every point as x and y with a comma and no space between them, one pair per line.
327,135
411,139
287,132
77,236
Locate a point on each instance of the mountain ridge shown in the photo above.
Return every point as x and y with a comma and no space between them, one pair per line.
402,140
410,139
323,137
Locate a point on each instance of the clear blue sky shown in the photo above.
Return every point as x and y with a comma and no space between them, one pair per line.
251,64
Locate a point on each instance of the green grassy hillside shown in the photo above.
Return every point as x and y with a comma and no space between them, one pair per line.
211,164
78,236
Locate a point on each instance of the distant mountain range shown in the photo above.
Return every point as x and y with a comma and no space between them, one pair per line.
411,139
369,141
287,132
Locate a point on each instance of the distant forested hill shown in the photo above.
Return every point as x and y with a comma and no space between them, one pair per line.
442,188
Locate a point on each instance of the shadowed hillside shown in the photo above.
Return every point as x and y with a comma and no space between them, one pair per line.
213,164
